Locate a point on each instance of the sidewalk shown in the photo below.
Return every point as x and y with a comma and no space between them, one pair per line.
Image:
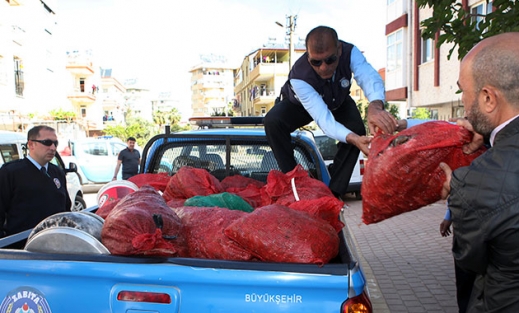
408,265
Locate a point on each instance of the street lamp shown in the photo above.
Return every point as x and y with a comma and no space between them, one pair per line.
291,28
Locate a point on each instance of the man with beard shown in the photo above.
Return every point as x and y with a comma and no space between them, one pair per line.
484,197
32,188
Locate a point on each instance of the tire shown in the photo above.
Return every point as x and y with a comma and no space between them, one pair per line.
358,196
79,204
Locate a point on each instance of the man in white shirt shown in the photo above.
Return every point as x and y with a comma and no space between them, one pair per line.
318,89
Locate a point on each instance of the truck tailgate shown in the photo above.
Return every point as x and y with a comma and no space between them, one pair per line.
166,287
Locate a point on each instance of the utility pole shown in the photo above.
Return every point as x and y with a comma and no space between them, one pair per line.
291,28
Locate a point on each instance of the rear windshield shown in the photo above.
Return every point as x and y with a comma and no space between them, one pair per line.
247,157
327,146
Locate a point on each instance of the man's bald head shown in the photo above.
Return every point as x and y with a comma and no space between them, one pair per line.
495,61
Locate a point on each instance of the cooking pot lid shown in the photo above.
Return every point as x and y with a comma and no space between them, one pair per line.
68,240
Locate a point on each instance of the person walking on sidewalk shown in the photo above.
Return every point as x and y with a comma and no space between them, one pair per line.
129,158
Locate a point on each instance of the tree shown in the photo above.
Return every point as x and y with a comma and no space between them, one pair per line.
60,115
163,118
138,127
465,29
421,114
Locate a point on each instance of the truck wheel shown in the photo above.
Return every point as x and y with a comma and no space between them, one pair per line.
358,196
79,204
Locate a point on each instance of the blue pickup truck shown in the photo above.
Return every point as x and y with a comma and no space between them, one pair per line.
72,280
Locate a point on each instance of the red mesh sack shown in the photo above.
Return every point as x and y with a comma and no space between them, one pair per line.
142,224
189,182
176,203
107,208
247,188
402,172
295,185
203,229
251,194
158,181
240,182
327,208
276,233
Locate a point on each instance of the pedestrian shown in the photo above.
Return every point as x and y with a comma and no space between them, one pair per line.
483,198
318,89
130,158
32,187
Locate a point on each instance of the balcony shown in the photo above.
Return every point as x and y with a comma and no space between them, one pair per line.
16,2
81,98
80,66
263,96
267,71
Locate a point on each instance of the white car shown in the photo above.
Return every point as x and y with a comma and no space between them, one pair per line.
96,158
328,148
12,148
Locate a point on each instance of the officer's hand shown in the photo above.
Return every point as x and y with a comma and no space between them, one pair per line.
446,188
361,142
378,118
402,124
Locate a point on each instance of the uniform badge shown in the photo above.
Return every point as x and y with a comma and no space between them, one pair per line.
58,184
345,83
25,300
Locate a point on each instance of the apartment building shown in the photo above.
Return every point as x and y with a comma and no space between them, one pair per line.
260,77
418,73
112,96
211,86
83,86
138,99
31,68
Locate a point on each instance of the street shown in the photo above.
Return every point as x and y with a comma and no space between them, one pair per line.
90,198
409,266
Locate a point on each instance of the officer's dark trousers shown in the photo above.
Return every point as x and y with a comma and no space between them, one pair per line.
285,117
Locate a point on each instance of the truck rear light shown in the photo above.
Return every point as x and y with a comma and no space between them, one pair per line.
361,166
358,304
140,296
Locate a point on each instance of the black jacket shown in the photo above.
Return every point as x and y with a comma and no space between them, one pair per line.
484,203
27,196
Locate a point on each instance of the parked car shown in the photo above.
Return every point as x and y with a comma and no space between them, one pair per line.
328,148
12,147
96,158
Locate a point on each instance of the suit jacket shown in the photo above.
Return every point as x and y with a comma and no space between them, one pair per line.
484,203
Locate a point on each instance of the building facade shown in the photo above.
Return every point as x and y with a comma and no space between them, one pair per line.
418,73
211,86
259,79
112,94
31,67
84,89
